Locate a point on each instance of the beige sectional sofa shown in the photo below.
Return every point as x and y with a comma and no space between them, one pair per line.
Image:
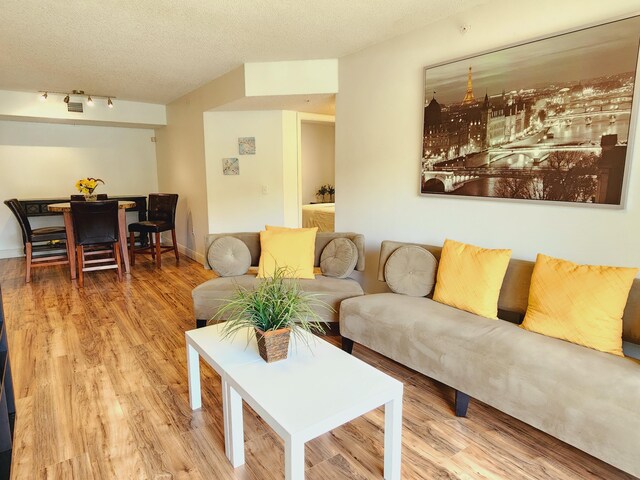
210,295
586,398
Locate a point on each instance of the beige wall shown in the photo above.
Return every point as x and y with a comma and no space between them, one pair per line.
318,158
45,160
378,147
181,158
298,77
265,191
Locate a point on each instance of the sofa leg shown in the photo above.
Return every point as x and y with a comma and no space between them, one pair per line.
462,403
347,345
331,329
201,323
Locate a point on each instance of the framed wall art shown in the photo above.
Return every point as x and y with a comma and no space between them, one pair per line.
548,120
231,166
247,145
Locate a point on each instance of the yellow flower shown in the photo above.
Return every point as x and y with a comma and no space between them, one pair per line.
87,185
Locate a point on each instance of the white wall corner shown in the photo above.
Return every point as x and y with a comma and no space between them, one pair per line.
290,165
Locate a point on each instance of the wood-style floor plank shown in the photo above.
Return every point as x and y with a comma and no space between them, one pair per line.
100,380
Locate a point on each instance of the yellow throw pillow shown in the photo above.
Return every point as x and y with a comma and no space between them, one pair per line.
470,277
581,304
278,229
290,248
274,228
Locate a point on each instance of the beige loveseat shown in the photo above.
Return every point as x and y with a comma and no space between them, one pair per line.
209,296
586,398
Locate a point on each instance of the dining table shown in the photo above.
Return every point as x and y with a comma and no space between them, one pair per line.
65,209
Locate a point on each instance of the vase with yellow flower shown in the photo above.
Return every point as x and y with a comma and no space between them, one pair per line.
86,186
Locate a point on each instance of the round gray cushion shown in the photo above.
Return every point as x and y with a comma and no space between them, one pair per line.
339,258
229,257
411,270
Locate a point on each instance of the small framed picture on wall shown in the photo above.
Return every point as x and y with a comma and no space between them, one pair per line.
247,145
231,166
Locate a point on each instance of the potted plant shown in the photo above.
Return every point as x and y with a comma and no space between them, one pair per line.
331,190
322,191
275,309
86,186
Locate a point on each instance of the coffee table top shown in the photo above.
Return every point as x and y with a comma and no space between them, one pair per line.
314,390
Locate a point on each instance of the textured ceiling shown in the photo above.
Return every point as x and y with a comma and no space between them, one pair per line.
158,50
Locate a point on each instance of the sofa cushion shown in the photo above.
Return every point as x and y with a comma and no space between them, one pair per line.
582,304
579,395
470,277
292,249
210,295
229,256
339,257
411,270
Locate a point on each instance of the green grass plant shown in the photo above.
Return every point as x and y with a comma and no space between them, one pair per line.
276,302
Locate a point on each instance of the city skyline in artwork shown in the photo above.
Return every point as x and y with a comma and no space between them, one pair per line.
548,120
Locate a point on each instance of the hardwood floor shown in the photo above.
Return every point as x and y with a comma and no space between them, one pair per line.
100,378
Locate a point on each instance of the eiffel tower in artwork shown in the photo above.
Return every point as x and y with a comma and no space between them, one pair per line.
468,97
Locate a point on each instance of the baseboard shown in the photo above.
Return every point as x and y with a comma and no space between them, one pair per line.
12,253
192,254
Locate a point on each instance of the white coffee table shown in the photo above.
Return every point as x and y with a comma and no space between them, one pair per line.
310,393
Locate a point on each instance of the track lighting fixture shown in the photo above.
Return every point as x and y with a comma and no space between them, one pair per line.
77,93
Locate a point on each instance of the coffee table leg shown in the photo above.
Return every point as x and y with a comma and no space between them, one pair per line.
393,439
225,418
293,459
233,426
193,372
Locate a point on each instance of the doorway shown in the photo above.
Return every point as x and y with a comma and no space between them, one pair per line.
317,171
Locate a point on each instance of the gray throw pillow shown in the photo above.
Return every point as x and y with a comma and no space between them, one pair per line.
411,270
339,258
229,257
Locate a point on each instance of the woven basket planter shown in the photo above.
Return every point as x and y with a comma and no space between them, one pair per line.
274,344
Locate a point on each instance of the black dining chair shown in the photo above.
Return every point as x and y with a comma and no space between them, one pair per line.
81,198
96,230
161,218
35,240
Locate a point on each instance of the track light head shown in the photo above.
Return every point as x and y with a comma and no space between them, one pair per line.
43,95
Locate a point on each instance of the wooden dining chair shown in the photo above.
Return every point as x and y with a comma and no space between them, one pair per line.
35,240
97,242
161,218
